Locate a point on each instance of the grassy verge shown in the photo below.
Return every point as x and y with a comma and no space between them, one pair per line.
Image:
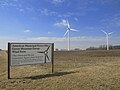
84,70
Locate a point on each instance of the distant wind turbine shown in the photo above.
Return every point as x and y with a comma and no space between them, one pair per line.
68,31
107,37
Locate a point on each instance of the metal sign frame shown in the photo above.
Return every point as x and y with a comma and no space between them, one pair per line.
45,53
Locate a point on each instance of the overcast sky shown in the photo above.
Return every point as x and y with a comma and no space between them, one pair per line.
44,21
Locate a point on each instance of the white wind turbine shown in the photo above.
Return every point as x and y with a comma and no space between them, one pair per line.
107,37
68,31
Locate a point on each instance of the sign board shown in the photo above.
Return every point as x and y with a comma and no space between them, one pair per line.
30,53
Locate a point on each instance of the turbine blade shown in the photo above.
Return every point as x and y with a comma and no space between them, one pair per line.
104,32
68,24
47,48
74,30
47,57
110,33
66,32
40,52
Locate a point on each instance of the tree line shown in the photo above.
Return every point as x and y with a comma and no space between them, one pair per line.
103,47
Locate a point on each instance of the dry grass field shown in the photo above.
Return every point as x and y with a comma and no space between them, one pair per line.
83,70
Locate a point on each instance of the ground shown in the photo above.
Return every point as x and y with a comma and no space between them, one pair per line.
74,70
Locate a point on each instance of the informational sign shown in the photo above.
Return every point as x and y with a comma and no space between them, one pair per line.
30,53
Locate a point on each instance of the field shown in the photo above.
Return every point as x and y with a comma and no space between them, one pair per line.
75,70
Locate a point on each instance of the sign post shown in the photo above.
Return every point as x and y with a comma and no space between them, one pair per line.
29,54
9,60
52,58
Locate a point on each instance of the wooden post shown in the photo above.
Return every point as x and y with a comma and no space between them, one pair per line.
52,57
9,52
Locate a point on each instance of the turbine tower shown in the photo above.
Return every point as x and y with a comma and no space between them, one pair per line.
107,37
68,32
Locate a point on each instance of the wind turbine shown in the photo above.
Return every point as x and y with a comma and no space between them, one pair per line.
107,37
45,53
68,32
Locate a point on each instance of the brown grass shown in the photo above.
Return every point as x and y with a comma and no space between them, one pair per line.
83,70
